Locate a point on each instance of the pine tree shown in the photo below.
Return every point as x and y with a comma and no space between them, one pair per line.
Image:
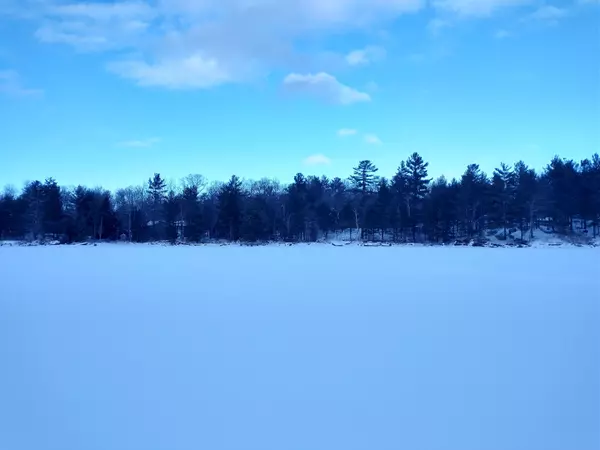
503,193
255,222
52,208
473,196
563,181
441,209
526,197
381,210
364,179
589,194
171,212
12,212
33,196
338,194
156,188
415,174
295,215
400,190
82,210
364,183
268,195
192,214
564,195
230,209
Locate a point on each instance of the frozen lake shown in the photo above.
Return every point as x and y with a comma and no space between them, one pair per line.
121,347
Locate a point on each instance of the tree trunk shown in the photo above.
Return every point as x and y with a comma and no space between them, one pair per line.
531,224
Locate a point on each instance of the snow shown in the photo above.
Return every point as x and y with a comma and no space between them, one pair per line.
308,347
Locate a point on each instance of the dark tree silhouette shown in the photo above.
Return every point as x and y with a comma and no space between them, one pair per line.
514,204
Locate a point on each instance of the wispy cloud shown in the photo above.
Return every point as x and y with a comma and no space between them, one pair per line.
95,26
192,72
203,43
344,132
325,87
12,84
372,139
477,8
549,14
317,160
365,56
120,10
139,143
199,44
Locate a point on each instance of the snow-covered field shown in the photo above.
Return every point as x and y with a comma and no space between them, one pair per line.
138,347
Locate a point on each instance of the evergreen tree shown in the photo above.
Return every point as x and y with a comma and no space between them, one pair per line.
338,195
364,179
296,206
12,215
564,197
503,195
401,193
473,196
268,194
526,197
157,188
33,196
52,208
255,223
171,215
192,214
82,209
364,183
415,174
441,210
380,213
230,209
589,195
563,184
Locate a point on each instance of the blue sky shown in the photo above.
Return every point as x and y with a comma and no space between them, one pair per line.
108,93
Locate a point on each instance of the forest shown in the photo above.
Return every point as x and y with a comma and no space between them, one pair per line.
514,203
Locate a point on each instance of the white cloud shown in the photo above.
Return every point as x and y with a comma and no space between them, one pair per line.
11,84
96,26
224,40
187,73
61,35
139,143
548,13
372,139
365,56
326,87
347,132
317,160
125,10
477,8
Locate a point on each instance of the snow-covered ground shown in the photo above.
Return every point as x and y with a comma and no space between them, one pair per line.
138,347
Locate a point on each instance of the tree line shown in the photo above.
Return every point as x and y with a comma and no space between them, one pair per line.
513,203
